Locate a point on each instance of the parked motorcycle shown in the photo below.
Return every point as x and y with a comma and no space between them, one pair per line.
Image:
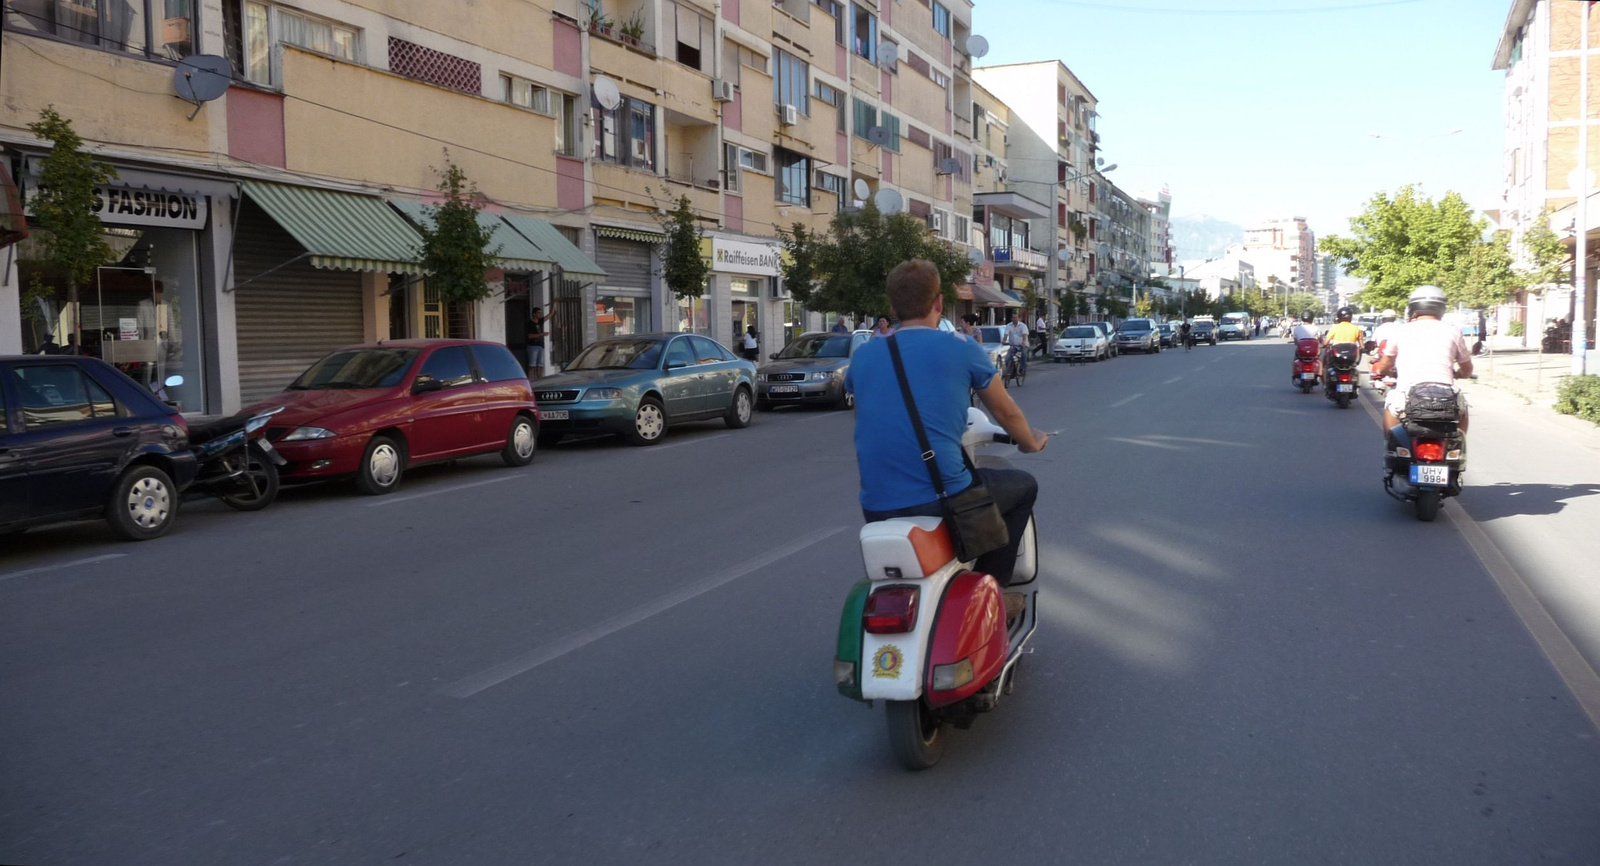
237,463
926,634
1426,453
1339,383
1307,365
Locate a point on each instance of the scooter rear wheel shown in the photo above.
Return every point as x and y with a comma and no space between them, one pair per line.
1343,401
916,736
1428,505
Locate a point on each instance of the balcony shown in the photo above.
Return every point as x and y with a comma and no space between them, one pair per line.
963,127
1019,259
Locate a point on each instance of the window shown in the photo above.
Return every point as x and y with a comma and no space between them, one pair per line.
522,92
866,118
568,123
266,25
626,135
153,28
59,394
689,36
730,167
794,177
680,354
449,366
938,77
434,67
710,351
498,364
864,33
791,85
830,183
619,316
941,20
834,97
752,59
836,9
892,124
753,160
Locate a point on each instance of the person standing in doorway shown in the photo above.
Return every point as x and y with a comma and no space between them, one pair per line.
538,329
840,327
752,346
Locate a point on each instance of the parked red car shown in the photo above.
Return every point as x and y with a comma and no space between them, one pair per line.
373,410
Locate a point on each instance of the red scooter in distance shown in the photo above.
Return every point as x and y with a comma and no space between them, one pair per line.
1307,365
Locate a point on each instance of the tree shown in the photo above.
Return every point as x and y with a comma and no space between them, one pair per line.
1144,307
1546,252
455,250
683,269
1114,307
846,269
1305,305
1408,240
64,205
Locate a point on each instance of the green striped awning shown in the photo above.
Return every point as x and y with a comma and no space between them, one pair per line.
547,237
515,252
342,231
630,234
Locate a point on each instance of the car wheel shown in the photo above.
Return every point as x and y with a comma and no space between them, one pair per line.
143,503
545,440
739,413
382,464
649,423
847,401
520,443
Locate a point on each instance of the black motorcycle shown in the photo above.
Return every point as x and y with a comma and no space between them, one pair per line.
1426,453
237,463
1339,378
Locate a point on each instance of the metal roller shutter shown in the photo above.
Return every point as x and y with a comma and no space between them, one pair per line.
287,319
626,263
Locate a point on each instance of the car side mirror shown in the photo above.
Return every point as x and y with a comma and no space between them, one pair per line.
426,384
773,356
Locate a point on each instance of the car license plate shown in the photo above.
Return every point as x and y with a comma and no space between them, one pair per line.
785,389
1431,475
554,415
1345,389
1308,375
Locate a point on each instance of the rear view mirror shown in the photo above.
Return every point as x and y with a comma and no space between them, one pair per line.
773,356
426,384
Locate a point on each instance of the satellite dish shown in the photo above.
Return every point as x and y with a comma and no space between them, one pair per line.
949,165
888,54
1063,255
888,201
862,189
200,78
977,46
1103,250
1099,160
606,93
878,136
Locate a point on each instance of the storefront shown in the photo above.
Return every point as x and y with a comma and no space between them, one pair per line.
623,299
150,310
745,286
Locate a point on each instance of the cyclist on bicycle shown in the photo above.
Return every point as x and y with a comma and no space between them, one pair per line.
1016,337
1187,333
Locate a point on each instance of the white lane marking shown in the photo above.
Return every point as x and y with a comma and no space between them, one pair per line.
466,688
390,500
824,414
1126,400
1570,665
659,448
73,564
1173,379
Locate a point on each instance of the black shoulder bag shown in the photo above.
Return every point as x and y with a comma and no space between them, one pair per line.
973,520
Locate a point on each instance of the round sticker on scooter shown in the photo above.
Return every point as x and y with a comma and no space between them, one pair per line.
886,663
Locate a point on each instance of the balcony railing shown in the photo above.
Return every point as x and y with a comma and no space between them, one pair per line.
963,127
1020,257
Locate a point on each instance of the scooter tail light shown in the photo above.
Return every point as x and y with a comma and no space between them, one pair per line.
1402,452
1428,450
948,678
1344,377
1454,454
891,610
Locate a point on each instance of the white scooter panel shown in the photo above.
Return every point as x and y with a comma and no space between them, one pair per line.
905,547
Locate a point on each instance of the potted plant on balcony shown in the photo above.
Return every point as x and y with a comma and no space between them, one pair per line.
599,23
633,30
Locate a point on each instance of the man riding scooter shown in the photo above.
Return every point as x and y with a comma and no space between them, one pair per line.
1423,350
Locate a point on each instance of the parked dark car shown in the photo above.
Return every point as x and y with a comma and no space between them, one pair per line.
638,385
372,411
1203,331
1169,334
80,439
811,369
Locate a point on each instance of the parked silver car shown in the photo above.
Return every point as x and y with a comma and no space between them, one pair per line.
810,370
1138,335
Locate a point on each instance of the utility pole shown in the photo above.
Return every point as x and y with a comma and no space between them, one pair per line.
1580,270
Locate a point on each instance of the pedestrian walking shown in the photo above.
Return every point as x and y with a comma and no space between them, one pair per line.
751,344
1041,334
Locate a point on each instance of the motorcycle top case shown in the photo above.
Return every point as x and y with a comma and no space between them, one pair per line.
1307,348
1345,354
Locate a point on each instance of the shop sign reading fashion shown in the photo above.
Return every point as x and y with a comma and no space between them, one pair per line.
141,206
741,257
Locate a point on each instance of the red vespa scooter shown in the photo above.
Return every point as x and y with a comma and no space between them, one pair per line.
1307,365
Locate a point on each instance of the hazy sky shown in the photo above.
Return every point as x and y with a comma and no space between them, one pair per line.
1246,115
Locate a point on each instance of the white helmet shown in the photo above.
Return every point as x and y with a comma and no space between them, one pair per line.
1426,301
1389,315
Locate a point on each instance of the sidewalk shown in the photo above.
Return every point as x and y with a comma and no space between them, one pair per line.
1508,365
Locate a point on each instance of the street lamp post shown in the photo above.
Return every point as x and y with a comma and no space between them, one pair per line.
1580,270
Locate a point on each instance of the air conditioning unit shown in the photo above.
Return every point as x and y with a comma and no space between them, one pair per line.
788,115
722,90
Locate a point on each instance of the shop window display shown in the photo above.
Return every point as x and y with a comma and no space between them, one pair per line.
620,316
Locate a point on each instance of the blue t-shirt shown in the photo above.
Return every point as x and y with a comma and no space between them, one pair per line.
941,368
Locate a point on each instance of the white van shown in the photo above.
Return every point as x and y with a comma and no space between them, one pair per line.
1235,326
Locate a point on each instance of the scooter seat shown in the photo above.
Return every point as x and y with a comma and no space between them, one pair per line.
906,547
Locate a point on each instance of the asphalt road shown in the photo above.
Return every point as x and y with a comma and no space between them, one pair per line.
1248,654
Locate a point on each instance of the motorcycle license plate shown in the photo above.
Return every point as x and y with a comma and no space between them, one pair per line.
1437,476
1346,389
1308,376
271,452
554,415
785,389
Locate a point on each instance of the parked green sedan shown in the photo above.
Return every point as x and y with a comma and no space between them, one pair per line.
638,385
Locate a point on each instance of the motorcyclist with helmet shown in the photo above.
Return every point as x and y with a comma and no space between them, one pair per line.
1423,350
1343,331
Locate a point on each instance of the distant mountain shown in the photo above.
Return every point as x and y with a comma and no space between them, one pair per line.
1204,237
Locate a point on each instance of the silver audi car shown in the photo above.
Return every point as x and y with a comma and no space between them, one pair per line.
809,371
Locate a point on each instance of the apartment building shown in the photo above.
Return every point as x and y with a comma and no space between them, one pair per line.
1283,247
1219,278
1540,51
301,186
1125,237
1054,155
1328,279
1159,243
1001,219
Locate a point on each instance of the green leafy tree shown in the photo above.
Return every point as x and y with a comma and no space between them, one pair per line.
1114,307
63,206
1144,307
1547,254
683,269
1398,243
455,250
1305,305
846,269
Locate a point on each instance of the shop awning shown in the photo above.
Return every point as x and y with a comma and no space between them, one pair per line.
548,238
639,235
515,252
342,231
993,297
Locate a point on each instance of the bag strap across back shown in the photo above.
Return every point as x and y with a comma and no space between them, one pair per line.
929,459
